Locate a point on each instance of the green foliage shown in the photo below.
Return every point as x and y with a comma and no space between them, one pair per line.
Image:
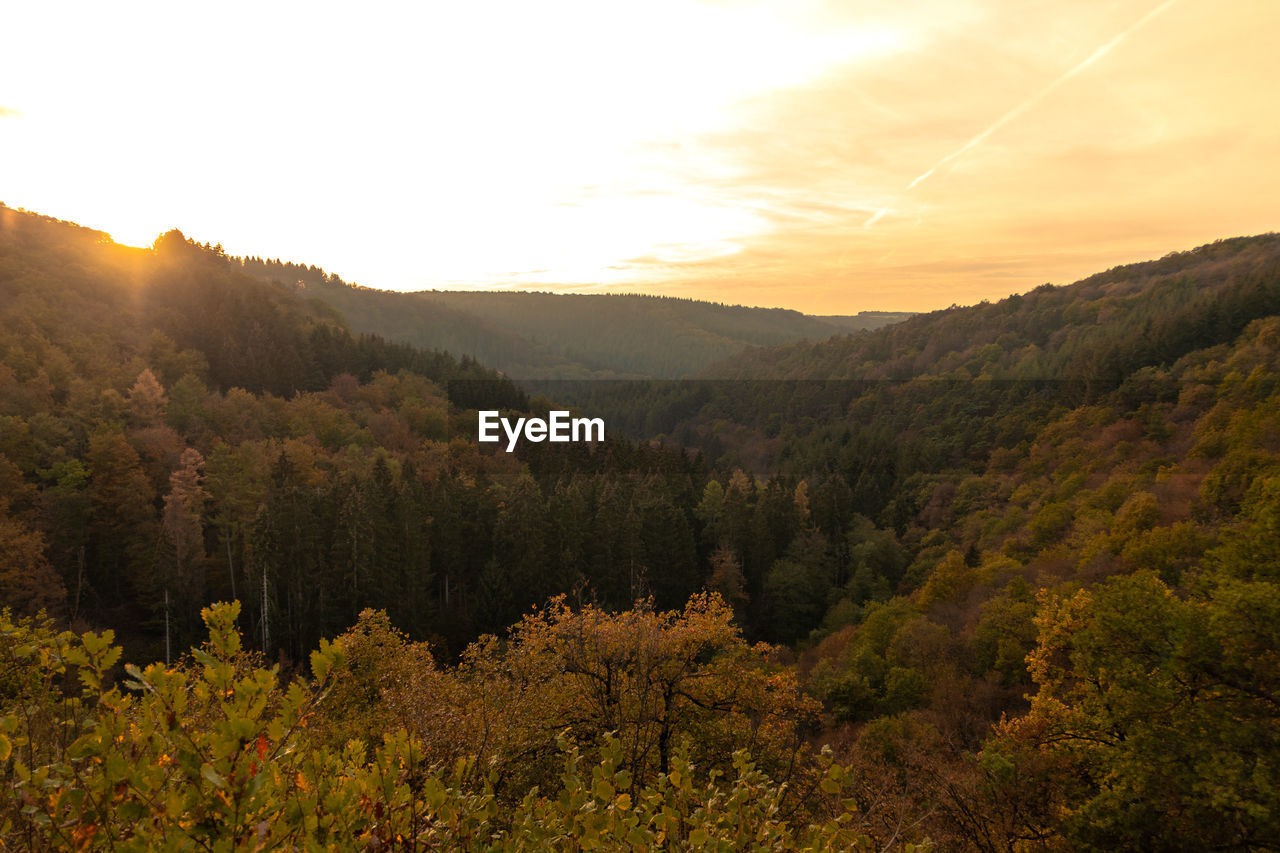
218,755
1118,448
1005,634
1250,549
1159,714
887,665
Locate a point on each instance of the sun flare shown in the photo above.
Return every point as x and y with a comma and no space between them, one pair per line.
671,146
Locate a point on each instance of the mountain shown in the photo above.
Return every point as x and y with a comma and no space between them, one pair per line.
567,336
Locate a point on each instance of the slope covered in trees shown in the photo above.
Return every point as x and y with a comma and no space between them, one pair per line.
558,336
1102,328
956,384
1020,561
1069,495
1050,496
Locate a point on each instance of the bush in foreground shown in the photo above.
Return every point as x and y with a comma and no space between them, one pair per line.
216,755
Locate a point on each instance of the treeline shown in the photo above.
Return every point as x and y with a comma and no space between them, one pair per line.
947,389
124,373
264,340
1099,329
564,336
1118,570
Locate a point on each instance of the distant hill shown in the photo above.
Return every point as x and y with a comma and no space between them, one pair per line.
947,387
1101,328
568,336
866,321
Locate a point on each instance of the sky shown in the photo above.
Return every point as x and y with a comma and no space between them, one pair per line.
831,156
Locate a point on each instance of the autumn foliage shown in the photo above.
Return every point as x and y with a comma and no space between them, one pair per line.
1015,564
218,754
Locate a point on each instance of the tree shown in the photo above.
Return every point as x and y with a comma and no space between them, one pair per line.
27,582
147,400
650,678
185,411
124,528
1157,716
182,539
727,581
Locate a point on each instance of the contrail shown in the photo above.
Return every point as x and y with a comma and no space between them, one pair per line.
1045,92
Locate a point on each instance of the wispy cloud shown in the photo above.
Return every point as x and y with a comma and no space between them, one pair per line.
1078,172
875,217
1043,93
782,153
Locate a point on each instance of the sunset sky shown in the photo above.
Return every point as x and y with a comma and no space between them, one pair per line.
826,156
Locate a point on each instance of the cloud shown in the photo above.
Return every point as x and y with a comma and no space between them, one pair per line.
1155,149
875,217
980,147
1026,105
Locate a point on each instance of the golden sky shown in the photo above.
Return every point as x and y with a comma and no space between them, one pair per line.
828,156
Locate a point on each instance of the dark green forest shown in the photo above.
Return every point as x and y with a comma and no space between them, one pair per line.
996,578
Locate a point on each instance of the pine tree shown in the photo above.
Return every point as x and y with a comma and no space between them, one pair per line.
124,529
182,550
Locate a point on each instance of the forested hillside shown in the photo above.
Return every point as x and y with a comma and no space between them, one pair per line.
177,431
1015,564
1070,495
1100,329
559,336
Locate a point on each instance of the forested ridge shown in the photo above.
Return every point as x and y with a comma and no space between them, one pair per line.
1013,564
565,336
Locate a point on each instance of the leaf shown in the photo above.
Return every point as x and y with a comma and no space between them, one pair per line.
214,777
